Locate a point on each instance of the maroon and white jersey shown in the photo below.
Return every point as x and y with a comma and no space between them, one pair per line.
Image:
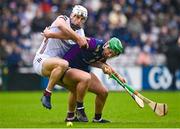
57,47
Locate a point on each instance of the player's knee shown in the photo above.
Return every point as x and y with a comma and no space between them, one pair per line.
63,65
104,93
87,79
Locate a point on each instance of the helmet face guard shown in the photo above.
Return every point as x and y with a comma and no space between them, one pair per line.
80,11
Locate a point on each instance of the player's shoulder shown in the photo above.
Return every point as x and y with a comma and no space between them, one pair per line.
101,41
98,40
95,43
64,17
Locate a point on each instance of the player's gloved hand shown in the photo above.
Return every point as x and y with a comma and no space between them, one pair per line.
46,33
85,46
119,77
107,69
82,41
122,79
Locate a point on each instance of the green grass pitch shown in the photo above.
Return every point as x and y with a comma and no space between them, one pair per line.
24,110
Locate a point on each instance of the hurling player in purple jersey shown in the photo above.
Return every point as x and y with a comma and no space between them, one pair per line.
96,56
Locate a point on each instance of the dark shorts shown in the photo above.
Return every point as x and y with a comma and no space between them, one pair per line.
85,68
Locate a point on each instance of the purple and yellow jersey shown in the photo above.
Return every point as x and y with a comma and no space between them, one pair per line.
82,58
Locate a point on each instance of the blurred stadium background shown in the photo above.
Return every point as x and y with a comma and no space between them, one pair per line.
149,30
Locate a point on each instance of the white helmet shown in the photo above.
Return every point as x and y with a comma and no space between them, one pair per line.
80,10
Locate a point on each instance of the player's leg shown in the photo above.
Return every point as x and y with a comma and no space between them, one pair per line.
101,92
96,87
71,108
72,102
81,79
53,68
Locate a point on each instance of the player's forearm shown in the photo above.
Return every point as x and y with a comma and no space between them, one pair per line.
70,33
58,35
105,67
118,76
98,64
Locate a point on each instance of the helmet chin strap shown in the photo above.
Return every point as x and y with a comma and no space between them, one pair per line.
105,45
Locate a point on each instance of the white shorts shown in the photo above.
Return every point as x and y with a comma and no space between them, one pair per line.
38,61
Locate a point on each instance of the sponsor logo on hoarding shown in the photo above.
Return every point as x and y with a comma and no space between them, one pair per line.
159,78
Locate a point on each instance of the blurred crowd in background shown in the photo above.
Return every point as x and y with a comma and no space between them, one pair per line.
149,29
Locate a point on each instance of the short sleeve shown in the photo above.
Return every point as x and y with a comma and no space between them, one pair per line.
63,17
94,43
